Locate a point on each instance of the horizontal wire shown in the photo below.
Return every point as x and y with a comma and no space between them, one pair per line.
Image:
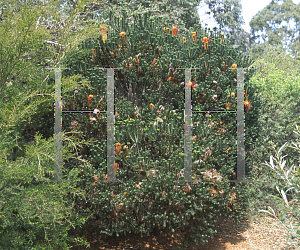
106,111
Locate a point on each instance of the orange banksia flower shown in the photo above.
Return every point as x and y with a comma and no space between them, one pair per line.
194,37
151,105
247,104
233,67
205,41
223,64
174,31
103,33
89,99
171,79
93,54
122,34
118,147
192,84
116,166
228,105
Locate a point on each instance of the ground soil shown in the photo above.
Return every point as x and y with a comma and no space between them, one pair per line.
261,233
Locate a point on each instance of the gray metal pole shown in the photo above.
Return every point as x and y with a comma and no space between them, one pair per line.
187,127
111,175
240,126
58,162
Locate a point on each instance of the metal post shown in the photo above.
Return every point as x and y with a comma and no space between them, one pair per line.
111,176
240,126
187,127
58,162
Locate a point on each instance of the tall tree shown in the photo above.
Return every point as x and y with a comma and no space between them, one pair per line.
268,26
228,15
44,39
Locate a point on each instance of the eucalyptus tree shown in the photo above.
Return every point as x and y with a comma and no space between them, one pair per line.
272,25
228,16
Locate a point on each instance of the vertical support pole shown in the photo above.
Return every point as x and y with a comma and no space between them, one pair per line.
111,176
187,128
58,128
110,126
240,126
58,162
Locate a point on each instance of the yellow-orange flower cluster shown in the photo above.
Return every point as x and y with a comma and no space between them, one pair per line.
118,150
192,84
233,67
89,99
151,105
103,33
228,105
222,36
205,41
118,147
247,104
223,64
194,37
93,53
174,31
122,34
116,166
183,39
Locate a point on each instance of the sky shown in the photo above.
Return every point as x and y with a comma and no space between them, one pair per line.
249,9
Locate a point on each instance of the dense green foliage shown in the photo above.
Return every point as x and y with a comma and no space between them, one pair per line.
147,69
35,213
277,78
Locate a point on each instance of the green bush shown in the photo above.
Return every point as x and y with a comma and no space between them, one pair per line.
276,77
289,193
35,213
278,83
149,125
